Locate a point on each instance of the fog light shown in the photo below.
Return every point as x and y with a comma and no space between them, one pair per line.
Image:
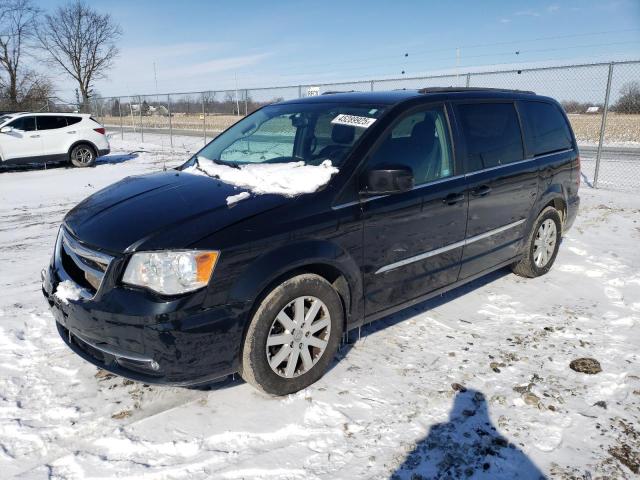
154,365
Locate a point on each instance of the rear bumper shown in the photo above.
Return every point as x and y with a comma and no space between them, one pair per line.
104,151
572,212
131,334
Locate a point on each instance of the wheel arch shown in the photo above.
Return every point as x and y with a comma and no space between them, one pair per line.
322,258
555,196
82,142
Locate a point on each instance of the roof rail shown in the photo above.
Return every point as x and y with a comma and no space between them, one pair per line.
332,92
471,89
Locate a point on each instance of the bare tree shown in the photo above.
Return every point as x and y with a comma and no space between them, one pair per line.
18,20
82,42
629,101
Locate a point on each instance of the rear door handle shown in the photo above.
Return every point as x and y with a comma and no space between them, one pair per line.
482,191
72,131
34,136
453,198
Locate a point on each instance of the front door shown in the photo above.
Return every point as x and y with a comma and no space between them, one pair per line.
502,184
413,240
22,142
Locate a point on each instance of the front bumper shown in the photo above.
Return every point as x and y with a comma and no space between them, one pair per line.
136,335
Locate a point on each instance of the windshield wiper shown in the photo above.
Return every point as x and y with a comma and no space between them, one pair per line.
217,161
227,164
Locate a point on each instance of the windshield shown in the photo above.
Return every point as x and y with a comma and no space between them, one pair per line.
311,133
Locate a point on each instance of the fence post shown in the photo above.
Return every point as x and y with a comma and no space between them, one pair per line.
299,91
246,99
170,126
468,80
141,124
204,119
372,85
120,115
603,126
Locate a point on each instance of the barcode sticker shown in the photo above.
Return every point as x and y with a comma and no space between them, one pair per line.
353,120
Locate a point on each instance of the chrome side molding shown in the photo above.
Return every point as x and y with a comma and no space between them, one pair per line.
446,248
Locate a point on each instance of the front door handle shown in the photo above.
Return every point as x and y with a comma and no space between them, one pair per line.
482,191
73,131
453,198
34,136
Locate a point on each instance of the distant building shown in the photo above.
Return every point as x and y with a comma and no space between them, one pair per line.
148,110
593,110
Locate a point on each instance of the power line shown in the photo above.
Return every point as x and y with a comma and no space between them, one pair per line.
402,64
452,49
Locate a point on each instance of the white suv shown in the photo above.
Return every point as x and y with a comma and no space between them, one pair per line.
51,137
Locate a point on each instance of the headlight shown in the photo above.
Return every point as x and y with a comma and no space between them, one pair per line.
171,273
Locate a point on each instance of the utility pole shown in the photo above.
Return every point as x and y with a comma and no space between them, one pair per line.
155,77
237,101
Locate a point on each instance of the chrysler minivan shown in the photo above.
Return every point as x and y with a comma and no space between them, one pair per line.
304,220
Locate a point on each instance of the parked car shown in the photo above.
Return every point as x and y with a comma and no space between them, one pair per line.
27,138
305,220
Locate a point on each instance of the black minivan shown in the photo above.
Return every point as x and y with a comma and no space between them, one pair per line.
304,220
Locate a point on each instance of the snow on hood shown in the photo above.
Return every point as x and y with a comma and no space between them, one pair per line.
236,198
288,179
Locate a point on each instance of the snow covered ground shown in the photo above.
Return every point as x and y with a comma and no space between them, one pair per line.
472,384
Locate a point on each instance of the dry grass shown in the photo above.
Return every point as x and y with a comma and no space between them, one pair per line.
212,123
620,127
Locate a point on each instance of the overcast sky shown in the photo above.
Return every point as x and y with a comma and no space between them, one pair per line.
198,45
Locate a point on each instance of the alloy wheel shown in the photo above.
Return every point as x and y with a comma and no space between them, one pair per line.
545,243
298,336
83,155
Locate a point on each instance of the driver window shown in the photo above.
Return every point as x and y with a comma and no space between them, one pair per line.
421,142
271,139
24,124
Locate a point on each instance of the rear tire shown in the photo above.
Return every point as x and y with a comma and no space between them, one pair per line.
542,245
82,155
293,336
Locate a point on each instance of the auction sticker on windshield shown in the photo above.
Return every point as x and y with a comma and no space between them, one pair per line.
353,120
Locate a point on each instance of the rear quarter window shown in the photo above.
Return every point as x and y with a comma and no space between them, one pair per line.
546,129
73,120
492,134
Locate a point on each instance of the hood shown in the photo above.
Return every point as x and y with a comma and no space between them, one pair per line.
163,210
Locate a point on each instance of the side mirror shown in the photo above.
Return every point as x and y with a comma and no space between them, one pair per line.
6,129
387,181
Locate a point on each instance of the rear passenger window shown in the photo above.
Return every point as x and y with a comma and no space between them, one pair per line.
73,120
545,127
50,122
492,134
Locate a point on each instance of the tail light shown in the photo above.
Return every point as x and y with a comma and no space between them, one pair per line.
100,130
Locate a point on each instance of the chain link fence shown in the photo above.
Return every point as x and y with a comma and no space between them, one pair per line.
602,101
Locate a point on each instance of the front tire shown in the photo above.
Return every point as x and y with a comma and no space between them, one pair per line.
82,155
542,245
293,336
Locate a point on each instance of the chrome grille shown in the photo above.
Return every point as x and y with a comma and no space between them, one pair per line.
82,265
